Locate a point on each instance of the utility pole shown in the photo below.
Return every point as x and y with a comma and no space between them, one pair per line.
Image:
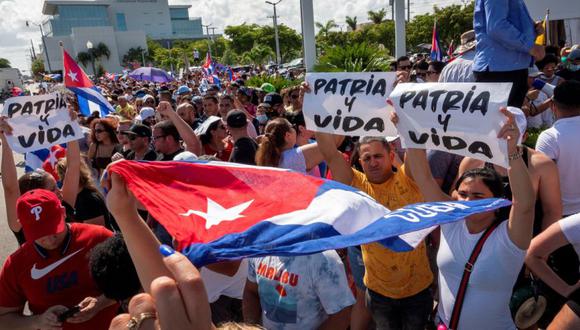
275,17
43,44
408,10
308,39
212,33
207,34
33,52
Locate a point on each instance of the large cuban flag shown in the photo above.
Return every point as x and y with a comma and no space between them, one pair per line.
77,81
223,211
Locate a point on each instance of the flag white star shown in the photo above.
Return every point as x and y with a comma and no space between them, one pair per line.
52,158
72,75
217,213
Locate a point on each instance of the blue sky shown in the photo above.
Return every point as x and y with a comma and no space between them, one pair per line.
15,36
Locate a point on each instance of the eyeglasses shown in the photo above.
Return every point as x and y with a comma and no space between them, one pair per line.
405,67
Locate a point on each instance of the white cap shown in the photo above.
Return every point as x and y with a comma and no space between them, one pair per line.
202,129
146,112
186,156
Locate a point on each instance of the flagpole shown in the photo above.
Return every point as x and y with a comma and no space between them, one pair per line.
547,27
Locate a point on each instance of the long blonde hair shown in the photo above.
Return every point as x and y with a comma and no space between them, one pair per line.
85,178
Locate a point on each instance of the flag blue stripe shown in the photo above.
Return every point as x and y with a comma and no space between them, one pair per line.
267,238
93,95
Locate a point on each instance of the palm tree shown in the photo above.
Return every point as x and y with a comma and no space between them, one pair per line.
84,58
357,57
102,50
324,29
378,16
94,54
4,63
351,22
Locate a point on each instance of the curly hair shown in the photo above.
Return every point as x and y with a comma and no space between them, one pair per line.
110,127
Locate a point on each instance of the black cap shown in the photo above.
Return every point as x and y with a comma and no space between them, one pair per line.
139,130
273,98
236,118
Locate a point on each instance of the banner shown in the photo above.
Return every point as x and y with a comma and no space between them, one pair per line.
348,103
39,122
460,118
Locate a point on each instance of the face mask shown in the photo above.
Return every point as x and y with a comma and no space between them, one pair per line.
262,119
574,67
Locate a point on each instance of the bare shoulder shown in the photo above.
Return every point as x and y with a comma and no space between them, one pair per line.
541,163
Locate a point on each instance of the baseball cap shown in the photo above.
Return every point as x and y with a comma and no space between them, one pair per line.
183,90
236,118
186,156
146,112
139,130
574,55
204,127
139,94
268,88
40,213
245,90
273,98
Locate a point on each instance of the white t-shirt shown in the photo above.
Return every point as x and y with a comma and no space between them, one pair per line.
293,159
571,228
300,292
560,143
459,70
217,284
486,302
544,119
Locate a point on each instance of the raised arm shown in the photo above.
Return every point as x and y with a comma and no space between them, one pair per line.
523,198
9,178
418,166
192,143
341,170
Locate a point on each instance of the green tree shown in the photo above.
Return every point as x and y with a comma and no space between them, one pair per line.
324,29
4,63
358,57
242,38
351,22
94,54
37,67
135,55
166,58
229,57
258,55
377,16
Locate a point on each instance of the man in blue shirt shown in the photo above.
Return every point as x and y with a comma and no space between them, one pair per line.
505,35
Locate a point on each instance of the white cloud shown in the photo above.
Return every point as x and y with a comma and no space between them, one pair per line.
15,36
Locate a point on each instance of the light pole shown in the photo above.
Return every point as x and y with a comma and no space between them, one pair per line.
208,39
278,58
43,44
92,53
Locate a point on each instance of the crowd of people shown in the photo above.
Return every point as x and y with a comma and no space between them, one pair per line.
91,257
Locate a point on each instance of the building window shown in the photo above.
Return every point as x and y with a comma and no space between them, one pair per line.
121,22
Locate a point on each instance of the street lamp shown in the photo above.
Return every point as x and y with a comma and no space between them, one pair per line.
43,43
278,58
92,53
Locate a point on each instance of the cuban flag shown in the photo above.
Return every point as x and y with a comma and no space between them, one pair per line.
208,67
77,81
231,75
223,211
45,159
436,54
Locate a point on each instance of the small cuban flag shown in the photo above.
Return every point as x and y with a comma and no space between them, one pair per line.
436,54
77,81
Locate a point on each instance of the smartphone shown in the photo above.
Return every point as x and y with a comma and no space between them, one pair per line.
69,313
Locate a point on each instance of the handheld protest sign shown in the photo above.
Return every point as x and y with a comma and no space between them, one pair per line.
39,122
349,103
460,118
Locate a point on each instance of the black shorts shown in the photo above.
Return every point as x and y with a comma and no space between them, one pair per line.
574,302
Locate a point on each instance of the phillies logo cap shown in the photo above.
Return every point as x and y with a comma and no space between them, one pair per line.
40,213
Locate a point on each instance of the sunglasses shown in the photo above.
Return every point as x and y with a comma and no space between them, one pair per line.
132,137
99,131
405,67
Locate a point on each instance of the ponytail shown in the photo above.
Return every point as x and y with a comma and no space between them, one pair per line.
272,143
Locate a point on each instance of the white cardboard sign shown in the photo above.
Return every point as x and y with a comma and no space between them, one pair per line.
349,103
39,122
460,118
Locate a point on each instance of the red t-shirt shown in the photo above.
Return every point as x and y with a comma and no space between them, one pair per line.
223,155
57,277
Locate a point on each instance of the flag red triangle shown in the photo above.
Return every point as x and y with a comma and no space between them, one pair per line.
74,76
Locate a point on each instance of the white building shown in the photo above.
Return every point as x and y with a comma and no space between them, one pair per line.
567,11
119,24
